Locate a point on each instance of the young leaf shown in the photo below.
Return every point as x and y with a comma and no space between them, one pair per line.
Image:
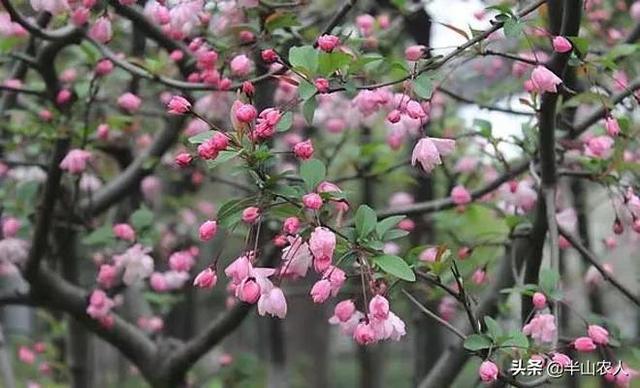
423,86
285,122
312,172
365,221
386,224
309,109
201,137
142,218
493,328
476,342
549,281
396,266
305,57
306,90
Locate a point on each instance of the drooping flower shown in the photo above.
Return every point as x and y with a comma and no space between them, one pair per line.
136,262
75,162
322,243
561,44
178,105
101,30
541,328
208,230
273,303
544,80
428,151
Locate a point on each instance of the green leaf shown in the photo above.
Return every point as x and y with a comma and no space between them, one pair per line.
306,90
396,266
223,157
309,109
304,57
493,328
281,20
285,122
201,137
483,126
388,223
142,218
512,28
423,86
394,234
516,339
365,221
580,44
476,342
328,63
549,281
312,172
100,236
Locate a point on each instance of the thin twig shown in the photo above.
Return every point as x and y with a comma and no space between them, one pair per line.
433,315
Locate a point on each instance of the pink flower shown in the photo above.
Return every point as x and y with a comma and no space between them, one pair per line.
598,334
379,307
240,65
612,126
364,334
136,262
26,355
460,195
107,275
599,147
248,291
273,303
541,328
178,105
207,278
124,232
414,53
561,359
344,310
365,24
101,30
428,151
561,44
100,305
539,300
312,201
129,102
296,258
10,227
80,16
103,67
303,150
239,269
479,276
291,225
328,42
322,243
267,121
250,215
320,291
544,80
414,110
336,277
429,255
75,162
246,113
635,11
488,371
181,261
207,230
584,344
55,7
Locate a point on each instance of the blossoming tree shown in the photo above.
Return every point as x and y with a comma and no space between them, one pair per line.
249,146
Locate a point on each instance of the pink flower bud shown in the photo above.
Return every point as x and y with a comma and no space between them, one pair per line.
246,113
124,232
250,215
178,105
394,116
45,115
303,150
584,344
176,55
460,195
183,159
207,278
80,16
488,371
561,359
63,97
248,88
248,291
322,84
328,42
269,55
598,334
107,275
612,126
539,300
26,355
104,67
207,230
240,65
101,30
10,227
414,53
291,225
129,102
561,44
312,201
379,307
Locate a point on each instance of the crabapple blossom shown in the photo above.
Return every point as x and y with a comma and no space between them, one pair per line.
488,371
428,152
208,230
207,278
